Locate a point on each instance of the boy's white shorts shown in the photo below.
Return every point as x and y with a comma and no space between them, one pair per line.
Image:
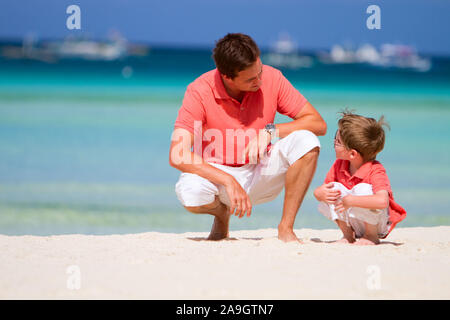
356,217
262,181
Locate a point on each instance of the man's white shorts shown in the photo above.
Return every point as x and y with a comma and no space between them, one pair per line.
356,217
262,181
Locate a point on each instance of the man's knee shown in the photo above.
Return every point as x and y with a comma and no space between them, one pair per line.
300,144
196,209
307,139
194,191
312,155
206,208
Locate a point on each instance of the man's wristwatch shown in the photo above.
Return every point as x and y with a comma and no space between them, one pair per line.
270,128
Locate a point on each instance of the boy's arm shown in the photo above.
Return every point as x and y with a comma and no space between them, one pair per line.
379,200
317,193
325,193
326,189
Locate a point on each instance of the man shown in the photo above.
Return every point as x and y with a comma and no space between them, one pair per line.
227,119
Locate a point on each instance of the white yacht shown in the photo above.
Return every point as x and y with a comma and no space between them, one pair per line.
284,54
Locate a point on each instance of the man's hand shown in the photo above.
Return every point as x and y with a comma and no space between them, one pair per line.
257,147
326,193
239,199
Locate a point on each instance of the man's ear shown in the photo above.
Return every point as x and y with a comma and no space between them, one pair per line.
225,77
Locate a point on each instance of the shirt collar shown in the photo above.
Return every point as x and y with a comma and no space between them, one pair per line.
361,173
218,87
364,170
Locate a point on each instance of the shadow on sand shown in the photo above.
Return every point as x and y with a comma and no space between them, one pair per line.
226,239
317,240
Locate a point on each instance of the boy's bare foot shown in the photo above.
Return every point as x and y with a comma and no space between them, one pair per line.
370,236
366,242
347,231
345,240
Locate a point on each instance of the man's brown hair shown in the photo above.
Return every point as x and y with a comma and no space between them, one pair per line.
365,135
234,53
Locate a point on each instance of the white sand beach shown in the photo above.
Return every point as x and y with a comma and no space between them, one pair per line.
413,263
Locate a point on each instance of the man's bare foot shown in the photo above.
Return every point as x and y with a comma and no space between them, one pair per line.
366,242
287,235
219,230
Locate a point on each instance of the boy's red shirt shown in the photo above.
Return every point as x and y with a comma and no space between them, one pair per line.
373,173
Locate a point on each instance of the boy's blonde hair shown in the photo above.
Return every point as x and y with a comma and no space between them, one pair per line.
365,135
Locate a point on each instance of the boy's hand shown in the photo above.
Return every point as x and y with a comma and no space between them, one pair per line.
342,204
326,193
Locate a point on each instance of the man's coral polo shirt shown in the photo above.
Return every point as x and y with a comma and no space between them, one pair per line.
207,102
373,173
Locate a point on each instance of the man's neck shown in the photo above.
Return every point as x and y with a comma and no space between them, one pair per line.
234,93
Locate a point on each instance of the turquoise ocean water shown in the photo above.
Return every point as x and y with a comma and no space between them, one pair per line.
84,144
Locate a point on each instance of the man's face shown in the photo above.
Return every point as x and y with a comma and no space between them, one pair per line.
249,79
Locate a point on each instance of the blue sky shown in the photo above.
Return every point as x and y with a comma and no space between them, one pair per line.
314,24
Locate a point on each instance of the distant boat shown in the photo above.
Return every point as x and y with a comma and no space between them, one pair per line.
72,48
367,54
390,56
88,49
284,54
338,54
29,49
401,56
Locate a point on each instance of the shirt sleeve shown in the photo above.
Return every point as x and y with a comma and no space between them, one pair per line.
191,110
290,100
379,180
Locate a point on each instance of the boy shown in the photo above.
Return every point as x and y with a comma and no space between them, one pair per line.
356,192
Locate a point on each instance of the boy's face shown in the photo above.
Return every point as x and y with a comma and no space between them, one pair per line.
341,151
